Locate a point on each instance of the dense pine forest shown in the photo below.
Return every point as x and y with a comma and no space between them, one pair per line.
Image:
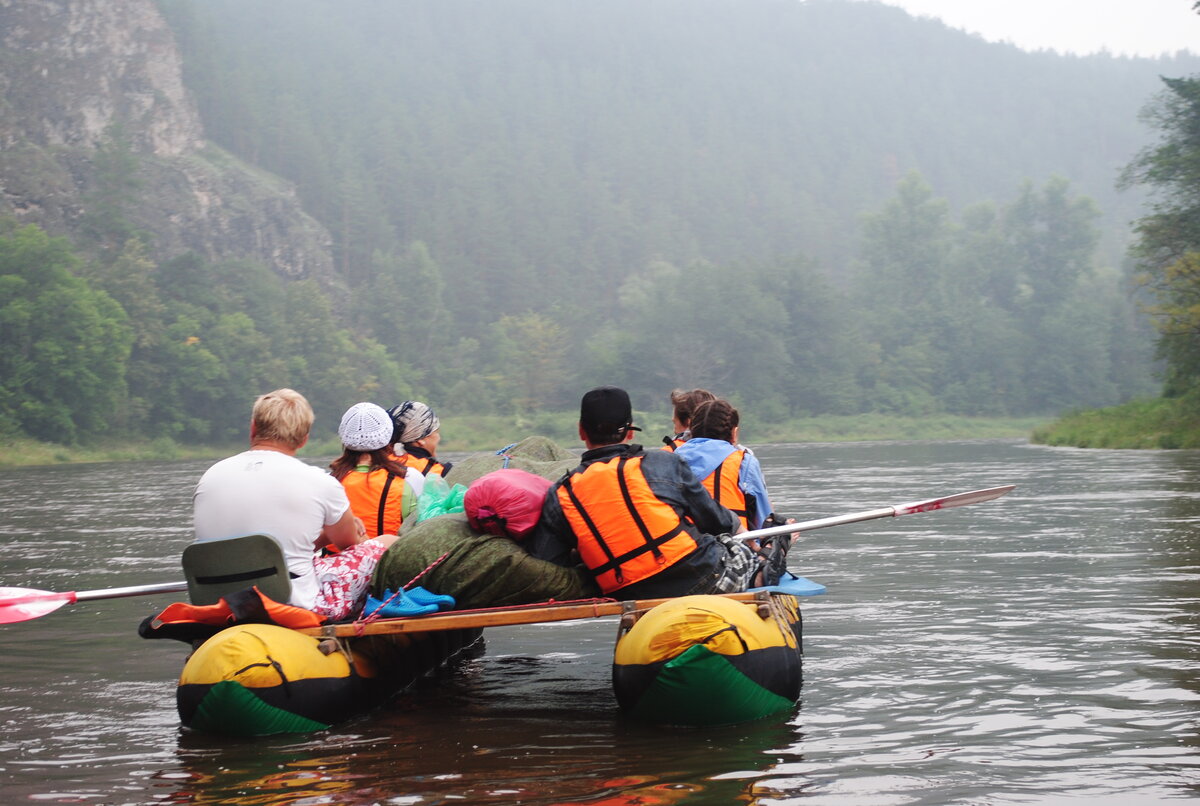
812,208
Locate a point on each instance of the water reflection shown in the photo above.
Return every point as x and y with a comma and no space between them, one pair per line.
505,728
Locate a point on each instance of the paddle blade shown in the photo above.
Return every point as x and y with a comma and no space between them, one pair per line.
24,604
958,500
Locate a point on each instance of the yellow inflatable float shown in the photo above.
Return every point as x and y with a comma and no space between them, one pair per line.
261,679
695,660
710,660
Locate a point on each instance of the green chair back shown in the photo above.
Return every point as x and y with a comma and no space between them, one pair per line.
215,568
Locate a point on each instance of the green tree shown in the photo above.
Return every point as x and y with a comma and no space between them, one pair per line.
529,348
1051,239
1168,248
115,185
716,327
904,291
131,279
62,370
332,366
1001,313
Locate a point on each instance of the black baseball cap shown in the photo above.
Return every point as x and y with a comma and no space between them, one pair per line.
606,411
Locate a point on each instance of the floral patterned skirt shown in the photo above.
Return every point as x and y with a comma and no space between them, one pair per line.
343,579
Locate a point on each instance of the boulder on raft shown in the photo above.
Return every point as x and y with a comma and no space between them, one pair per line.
536,454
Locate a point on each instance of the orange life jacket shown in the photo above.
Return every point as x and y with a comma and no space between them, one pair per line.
625,533
224,614
423,466
671,443
378,497
722,485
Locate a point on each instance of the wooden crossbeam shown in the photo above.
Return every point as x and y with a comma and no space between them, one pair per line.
503,616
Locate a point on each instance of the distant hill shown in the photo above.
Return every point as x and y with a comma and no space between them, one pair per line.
541,149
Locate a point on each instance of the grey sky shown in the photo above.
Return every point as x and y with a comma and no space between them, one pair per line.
1123,27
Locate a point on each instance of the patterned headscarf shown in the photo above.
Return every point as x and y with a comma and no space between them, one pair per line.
412,420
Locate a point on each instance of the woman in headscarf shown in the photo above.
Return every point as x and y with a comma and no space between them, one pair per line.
417,431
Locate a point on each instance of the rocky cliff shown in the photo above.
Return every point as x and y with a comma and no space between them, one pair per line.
93,112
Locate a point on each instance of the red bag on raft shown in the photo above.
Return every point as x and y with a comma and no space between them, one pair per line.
506,502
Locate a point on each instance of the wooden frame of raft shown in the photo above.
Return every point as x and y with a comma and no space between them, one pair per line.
512,616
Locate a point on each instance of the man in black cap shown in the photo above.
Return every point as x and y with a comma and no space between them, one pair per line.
639,521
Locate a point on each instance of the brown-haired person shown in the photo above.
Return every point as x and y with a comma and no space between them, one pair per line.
377,484
639,521
683,403
730,472
267,490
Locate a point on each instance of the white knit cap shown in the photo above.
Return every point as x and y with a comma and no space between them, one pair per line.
365,427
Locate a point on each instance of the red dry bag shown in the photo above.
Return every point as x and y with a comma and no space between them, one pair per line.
506,501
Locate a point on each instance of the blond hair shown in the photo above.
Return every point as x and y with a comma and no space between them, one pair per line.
282,416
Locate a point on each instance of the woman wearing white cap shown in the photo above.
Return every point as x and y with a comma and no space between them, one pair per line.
380,489
418,431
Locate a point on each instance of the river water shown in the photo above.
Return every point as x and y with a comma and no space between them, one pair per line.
1043,648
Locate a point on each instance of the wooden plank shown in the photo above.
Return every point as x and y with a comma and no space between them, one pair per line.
502,616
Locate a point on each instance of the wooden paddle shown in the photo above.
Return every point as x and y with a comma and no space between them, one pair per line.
24,604
957,500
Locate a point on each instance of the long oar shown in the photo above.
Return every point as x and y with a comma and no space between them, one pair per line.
958,500
23,604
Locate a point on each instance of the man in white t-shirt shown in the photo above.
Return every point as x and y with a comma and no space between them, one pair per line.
267,490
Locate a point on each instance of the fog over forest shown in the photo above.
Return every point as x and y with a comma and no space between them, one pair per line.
825,207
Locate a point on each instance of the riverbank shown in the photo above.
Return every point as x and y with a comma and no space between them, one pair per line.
482,433
1162,423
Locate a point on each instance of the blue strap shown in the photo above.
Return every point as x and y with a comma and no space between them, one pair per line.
504,452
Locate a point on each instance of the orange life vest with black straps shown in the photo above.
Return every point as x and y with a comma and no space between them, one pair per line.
423,466
722,485
671,443
624,532
378,497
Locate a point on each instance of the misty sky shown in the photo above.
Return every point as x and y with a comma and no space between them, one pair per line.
1123,27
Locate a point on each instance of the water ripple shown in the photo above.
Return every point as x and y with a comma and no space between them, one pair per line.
1040,648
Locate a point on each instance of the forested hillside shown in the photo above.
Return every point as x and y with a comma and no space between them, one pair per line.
820,207
529,143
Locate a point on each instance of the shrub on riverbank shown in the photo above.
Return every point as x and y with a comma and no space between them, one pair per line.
21,452
492,432
1146,424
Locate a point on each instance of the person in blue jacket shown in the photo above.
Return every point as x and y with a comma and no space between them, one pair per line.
729,471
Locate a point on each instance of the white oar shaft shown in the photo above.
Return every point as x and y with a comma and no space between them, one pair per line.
23,604
135,590
957,500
